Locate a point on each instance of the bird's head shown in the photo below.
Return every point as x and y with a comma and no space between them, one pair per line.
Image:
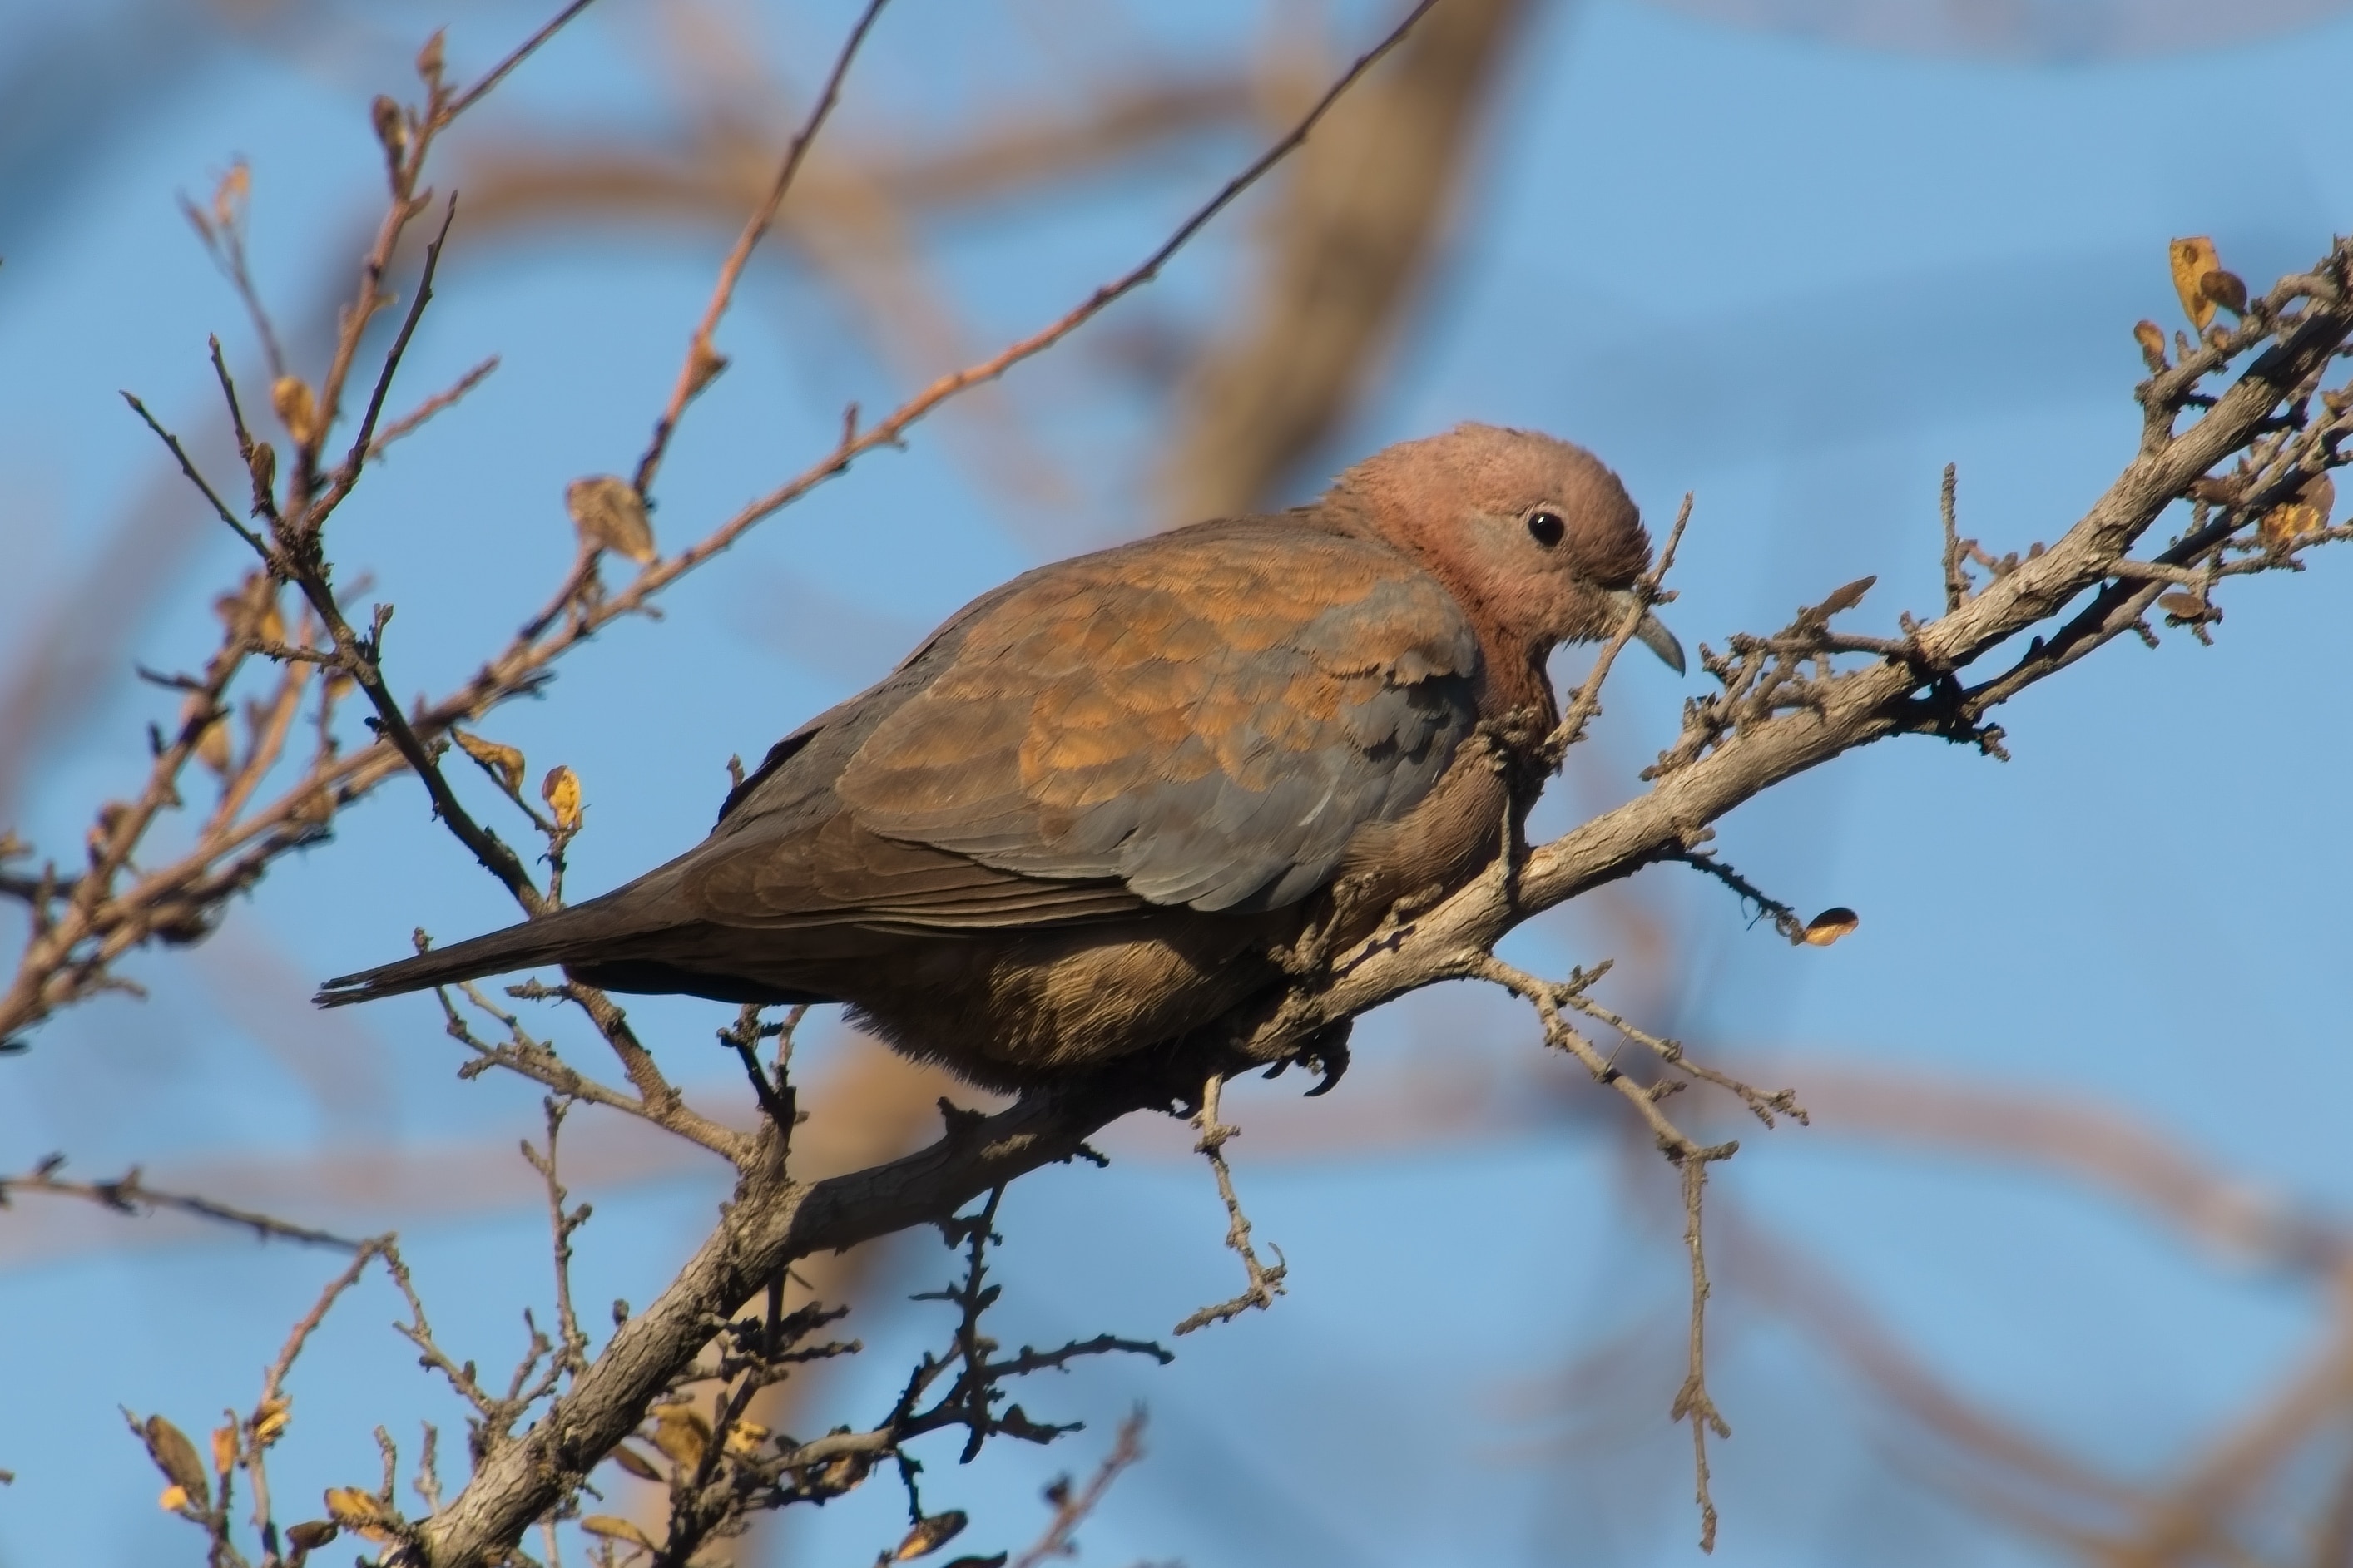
1536,536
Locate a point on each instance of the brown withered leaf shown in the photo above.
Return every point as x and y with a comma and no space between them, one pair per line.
2309,513
503,763
637,1464
995,1560
2227,290
1845,598
362,1512
391,129
928,1535
561,790
745,1437
297,406
429,58
2193,258
177,1459
1830,925
2151,338
681,1434
311,1534
224,1448
269,1418
213,746
704,366
612,1527
610,515
2185,606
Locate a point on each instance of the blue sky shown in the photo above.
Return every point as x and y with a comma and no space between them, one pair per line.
1793,277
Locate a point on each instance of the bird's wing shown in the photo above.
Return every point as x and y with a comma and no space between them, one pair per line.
1204,718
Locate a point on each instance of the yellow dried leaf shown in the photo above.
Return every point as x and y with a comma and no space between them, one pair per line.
610,515
224,1448
171,1500
615,1527
561,790
311,1534
361,1512
637,1464
297,408
229,196
213,747
504,763
2193,258
2151,338
2309,513
177,1459
681,1434
928,1535
1830,925
744,1438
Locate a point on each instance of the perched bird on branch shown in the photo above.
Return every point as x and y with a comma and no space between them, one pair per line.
1094,811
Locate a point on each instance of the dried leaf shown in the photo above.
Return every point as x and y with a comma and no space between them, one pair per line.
504,762
269,1418
745,1437
2309,513
2227,290
2187,608
637,1464
1830,925
928,1535
615,1527
213,746
230,195
361,1512
311,1534
681,1434
298,407
2193,258
177,1459
610,515
263,467
224,1448
391,129
429,58
172,1498
561,790
704,366
1845,598
995,1561
2151,338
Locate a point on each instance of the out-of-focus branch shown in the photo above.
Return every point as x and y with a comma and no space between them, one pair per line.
128,1193
1359,219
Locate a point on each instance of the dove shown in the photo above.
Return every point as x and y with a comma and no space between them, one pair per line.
1095,810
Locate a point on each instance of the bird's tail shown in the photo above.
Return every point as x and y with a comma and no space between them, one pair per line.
551,938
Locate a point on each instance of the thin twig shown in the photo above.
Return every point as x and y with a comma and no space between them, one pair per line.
1071,1509
703,362
1587,700
1691,1402
523,51
128,1193
1264,1284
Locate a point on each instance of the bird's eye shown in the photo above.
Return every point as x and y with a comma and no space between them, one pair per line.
1545,528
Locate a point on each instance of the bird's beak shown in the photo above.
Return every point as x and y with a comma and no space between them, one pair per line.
1653,633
